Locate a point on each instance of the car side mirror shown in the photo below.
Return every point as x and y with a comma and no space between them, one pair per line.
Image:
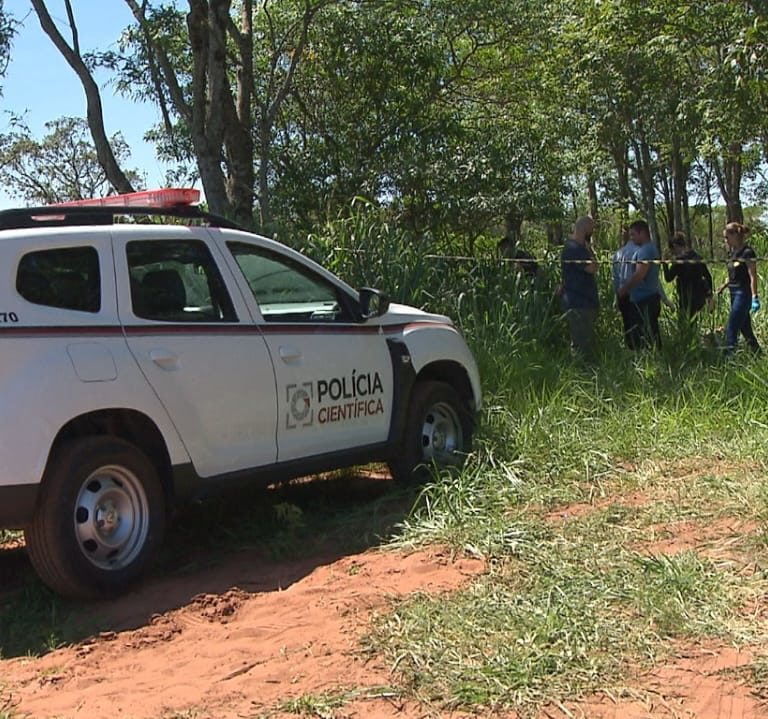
373,303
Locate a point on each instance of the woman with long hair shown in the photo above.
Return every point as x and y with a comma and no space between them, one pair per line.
742,284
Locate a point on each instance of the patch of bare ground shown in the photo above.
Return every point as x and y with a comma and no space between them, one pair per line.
720,539
242,651
652,481
700,682
579,510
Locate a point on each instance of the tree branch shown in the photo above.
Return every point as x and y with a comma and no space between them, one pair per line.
95,111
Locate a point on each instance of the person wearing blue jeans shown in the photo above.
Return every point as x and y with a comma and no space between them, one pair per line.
742,285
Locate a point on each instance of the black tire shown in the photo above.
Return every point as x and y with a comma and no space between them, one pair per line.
438,432
100,518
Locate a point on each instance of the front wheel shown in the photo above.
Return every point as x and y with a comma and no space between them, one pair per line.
100,518
438,432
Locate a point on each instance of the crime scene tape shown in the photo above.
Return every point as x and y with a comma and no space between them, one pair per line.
599,261
554,259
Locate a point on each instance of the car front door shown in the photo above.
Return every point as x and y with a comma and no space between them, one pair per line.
333,372
197,347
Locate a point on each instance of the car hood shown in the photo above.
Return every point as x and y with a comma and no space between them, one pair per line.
405,313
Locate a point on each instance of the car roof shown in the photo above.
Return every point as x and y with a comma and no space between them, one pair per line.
79,216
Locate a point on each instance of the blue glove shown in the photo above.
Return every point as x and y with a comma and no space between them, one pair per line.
755,303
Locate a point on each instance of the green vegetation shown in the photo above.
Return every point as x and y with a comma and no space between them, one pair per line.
576,599
324,706
462,122
460,117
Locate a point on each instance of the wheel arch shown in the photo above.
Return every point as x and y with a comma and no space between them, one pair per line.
452,373
127,424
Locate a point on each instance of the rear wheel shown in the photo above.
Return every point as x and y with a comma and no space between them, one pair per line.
100,518
438,432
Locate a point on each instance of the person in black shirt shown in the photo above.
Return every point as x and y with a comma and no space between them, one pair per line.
742,284
523,261
692,278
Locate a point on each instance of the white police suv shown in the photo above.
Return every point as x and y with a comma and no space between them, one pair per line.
145,364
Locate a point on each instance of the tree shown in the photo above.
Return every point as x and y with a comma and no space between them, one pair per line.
63,166
458,117
220,75
7,31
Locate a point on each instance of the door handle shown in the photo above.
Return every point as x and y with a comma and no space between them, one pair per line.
290,354
165,359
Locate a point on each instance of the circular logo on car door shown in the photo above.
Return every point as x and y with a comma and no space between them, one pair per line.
300,404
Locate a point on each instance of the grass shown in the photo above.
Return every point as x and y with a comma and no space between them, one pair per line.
576,605
326,704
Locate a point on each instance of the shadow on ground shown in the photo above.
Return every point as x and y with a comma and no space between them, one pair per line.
254,541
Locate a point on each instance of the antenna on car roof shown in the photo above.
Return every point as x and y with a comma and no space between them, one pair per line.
176,202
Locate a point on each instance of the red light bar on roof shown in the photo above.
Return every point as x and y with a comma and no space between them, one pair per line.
170,197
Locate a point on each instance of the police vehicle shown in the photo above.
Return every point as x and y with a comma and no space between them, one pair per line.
145,364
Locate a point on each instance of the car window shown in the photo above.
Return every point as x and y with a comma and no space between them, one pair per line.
177,281
285,290
65,278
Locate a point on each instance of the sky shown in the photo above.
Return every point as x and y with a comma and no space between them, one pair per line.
41,86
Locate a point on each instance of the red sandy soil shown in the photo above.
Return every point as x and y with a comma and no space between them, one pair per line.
279,631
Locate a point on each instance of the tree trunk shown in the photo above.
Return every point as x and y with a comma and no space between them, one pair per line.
265,208
669,201
710,222
626,195
592,195
555,233
645,172
728,176
680,185
513,226
238,138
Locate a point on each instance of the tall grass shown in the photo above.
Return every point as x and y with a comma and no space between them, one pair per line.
568,606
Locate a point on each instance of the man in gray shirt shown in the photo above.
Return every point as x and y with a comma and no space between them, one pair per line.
622,268
643,289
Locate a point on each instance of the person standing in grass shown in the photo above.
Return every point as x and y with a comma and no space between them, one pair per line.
579,288
523,261
643,289
622,271
693,280
742,284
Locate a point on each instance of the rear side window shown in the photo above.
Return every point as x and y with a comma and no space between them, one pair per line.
177,281
65,278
